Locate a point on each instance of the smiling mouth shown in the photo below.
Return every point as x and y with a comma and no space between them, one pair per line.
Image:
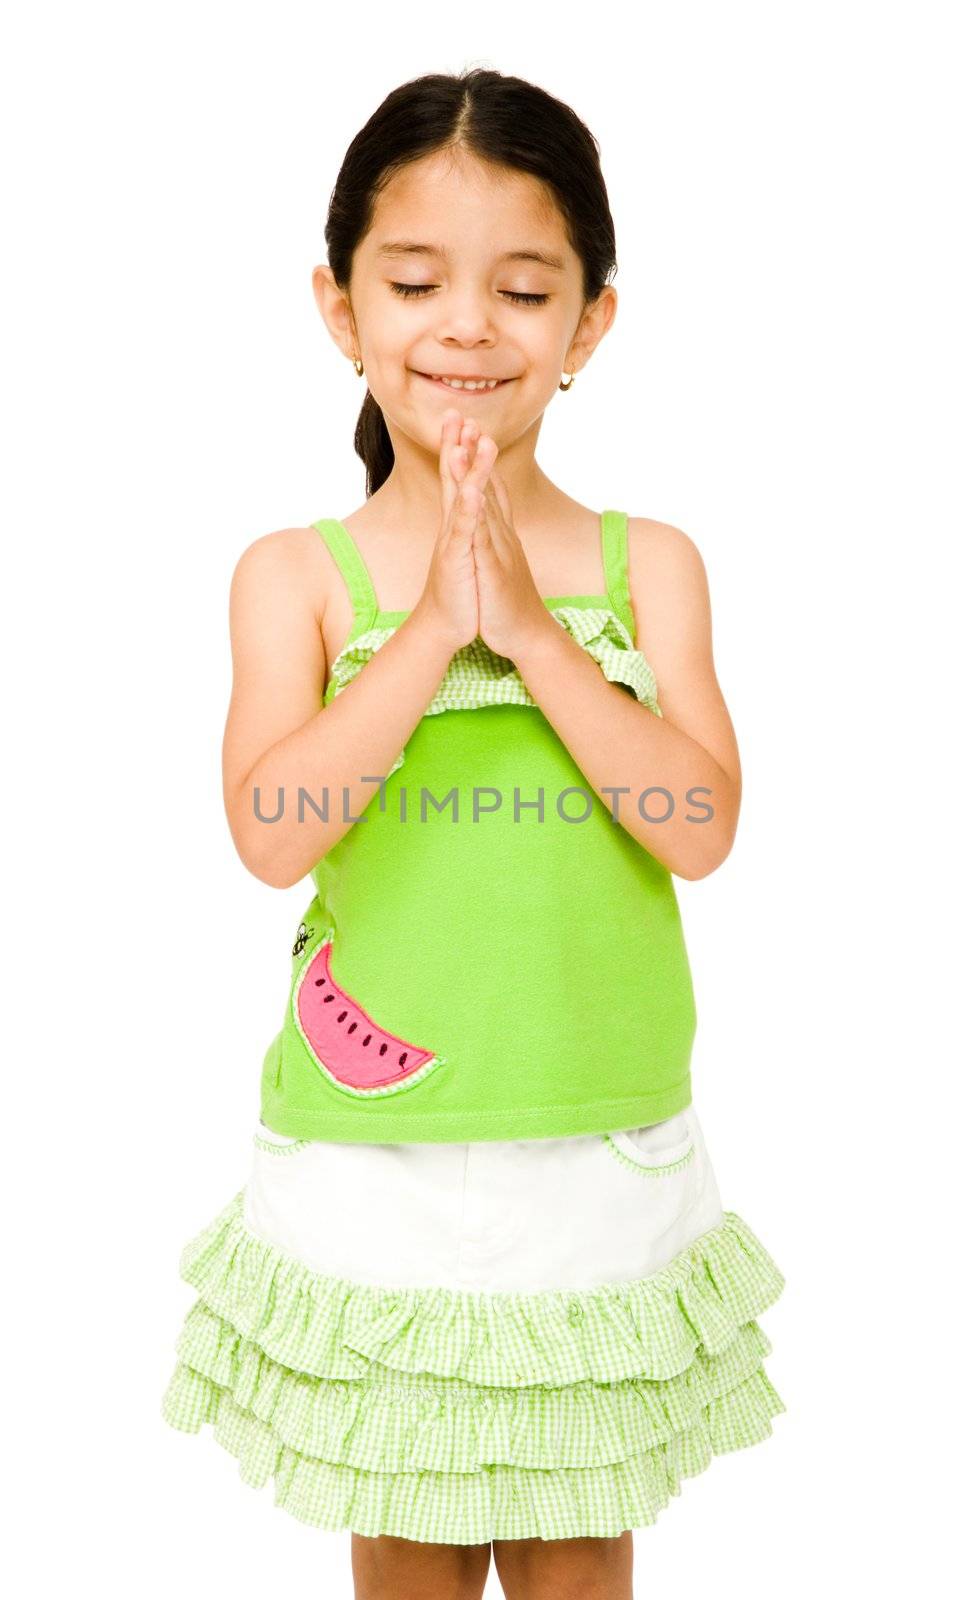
470,386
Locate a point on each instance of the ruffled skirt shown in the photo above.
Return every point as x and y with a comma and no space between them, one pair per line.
456,1343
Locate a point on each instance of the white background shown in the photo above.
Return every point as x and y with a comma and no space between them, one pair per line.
780,383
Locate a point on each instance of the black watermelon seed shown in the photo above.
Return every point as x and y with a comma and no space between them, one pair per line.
368,1038
341,1016
403,1059
383,1049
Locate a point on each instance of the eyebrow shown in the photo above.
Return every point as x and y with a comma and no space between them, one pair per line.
410,247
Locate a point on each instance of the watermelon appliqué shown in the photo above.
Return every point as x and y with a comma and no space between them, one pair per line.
345,1042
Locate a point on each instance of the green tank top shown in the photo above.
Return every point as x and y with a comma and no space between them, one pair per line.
489,954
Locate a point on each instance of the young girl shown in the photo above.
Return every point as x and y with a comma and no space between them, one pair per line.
478,1298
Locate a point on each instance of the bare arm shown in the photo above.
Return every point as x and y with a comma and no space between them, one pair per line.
278,734
618,742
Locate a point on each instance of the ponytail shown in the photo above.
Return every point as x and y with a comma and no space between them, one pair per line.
373,445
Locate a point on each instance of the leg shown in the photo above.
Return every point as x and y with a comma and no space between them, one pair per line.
565,1569
388,1568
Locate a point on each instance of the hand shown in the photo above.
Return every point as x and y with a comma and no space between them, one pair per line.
449,595
511,609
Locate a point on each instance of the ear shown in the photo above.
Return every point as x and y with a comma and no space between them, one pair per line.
595,323
334,307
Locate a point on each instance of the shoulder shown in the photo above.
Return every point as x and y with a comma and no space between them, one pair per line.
286,547
285,561
661,547
668,585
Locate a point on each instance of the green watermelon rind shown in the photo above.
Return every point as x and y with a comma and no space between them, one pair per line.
414,1079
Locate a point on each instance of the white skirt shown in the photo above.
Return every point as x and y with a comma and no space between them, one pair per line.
525,1214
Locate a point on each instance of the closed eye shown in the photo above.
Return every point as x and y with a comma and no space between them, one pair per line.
415,289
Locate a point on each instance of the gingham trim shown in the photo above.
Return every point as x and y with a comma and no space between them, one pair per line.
476,676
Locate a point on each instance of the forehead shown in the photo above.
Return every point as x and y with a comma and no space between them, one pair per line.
450,205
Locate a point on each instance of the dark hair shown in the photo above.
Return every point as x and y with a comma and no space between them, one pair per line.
502,120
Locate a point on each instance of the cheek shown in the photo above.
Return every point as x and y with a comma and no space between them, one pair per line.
541,350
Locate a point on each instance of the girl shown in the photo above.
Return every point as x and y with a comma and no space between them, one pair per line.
478,1298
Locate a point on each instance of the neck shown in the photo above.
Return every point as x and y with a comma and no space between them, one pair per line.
411,497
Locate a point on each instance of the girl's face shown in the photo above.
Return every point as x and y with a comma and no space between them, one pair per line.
465,273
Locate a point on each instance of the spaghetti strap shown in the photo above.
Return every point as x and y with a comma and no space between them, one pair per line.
615,525
354,572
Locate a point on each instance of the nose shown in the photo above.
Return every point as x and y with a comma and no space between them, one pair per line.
466,322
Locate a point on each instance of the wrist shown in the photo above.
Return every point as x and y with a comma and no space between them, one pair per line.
539,643
432,638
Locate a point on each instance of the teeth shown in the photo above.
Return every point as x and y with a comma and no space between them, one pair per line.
466,383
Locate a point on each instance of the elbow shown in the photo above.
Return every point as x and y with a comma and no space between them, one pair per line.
711,841
697,871
273,869
267,871
704,862
260,850
267,866
274,878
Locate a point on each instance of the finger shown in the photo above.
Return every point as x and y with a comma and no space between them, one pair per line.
448,431
461,456
502,497
472,482
460,464
496,532
484,542
495,511
468,437
465,508
466,468
450,428
483,459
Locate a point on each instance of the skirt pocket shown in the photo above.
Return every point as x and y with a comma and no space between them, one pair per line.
657,1150
277,1144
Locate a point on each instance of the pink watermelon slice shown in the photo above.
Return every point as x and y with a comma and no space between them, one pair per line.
347,1045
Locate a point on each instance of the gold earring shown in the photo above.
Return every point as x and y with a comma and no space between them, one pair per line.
358,366
565,386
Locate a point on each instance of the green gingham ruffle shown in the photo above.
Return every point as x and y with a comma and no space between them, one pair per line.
459,1416
332,1327
402,1422
476,676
